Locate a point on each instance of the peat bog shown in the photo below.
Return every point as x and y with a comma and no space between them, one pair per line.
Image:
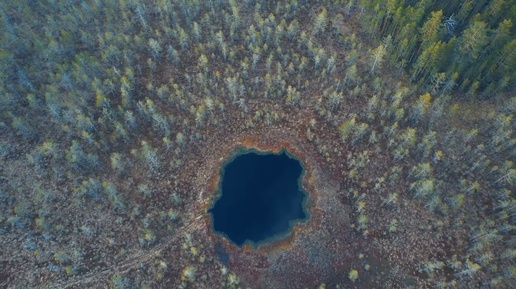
260,197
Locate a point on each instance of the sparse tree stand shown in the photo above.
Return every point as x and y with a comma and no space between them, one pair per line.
115,117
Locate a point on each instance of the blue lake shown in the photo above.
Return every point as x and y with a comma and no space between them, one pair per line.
261,197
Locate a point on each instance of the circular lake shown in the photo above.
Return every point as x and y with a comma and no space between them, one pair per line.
261,197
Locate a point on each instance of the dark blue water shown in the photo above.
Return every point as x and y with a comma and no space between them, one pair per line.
260,197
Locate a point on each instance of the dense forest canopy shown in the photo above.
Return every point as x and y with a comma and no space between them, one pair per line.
114,116
466,46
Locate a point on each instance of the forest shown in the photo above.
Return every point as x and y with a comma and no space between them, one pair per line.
116,115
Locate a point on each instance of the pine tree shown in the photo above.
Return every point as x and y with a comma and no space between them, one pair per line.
429,33
377,58
320,22
474,39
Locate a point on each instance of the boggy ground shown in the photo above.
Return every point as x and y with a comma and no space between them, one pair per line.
323,249
187,253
